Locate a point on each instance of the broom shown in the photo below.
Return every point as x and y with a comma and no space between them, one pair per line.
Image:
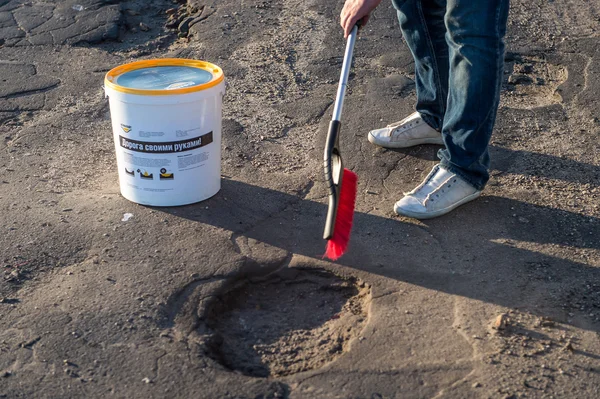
342,197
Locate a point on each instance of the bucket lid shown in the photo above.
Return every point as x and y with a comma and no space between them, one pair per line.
165,76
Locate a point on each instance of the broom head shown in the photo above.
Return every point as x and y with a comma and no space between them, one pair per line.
338,243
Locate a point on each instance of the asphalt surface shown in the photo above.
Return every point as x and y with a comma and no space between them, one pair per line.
230,297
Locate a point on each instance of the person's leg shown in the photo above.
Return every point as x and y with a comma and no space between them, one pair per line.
475,37
423,27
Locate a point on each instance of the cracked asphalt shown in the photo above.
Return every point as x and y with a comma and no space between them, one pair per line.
500,299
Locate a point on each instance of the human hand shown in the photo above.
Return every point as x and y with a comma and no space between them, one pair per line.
354,11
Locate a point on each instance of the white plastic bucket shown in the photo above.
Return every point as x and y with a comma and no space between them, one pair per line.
166,121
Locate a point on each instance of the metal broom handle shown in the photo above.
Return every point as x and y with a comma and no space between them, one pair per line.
339,100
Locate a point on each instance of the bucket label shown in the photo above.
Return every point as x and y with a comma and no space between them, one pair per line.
166,147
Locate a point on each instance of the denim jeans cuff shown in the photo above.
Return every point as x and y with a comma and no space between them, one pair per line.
430,121
462,175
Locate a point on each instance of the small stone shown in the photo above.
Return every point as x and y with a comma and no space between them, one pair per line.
519,79
547,323
147,380
67,209
525,68
144,27
501,322
172,22
568,347
477,385
184,26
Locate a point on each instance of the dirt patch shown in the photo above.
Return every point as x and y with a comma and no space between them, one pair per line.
544,350
292,321
531,82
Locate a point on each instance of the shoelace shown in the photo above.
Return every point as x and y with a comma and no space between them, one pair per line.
436,193
427,180
404,127
401,126
394,125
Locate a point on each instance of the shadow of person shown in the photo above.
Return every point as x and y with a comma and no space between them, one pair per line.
543,165
525,163
497,250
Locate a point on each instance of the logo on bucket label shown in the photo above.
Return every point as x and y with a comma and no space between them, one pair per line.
126,128
166,175
144,174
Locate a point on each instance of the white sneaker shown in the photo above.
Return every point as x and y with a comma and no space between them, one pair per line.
438,194
410,131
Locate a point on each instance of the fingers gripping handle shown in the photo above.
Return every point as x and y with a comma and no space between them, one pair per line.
333,167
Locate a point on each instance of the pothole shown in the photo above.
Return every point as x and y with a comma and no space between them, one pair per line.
531,82
292,321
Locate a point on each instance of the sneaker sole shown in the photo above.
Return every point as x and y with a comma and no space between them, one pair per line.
405,143
431,215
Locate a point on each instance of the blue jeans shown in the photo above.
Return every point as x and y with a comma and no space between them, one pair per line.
458,47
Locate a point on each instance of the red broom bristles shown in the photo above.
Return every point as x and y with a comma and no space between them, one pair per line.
336,246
